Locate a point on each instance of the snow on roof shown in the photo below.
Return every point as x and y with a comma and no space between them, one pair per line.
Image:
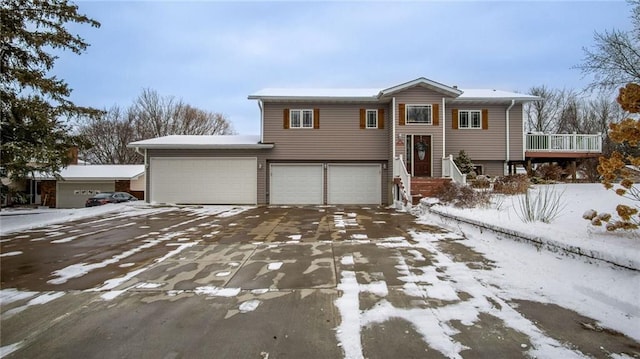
374,93
370,93
96,172
488,94
201,141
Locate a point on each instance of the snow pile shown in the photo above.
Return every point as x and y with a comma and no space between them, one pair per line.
568,232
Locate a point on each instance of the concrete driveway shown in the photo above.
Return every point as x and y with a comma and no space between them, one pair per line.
308,282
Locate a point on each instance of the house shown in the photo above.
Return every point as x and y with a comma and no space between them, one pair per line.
342,146
80,182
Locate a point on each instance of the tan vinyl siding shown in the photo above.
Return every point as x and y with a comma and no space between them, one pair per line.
339,137
422,96
489,144
261,155
491,168
516,130
480,144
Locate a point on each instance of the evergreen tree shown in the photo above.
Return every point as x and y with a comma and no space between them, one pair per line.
34,104
464,163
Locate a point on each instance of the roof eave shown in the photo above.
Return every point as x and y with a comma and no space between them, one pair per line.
165,146
316,98
494,99
90,179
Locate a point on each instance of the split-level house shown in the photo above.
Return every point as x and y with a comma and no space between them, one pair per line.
342,146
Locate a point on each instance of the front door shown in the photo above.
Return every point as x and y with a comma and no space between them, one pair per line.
421,156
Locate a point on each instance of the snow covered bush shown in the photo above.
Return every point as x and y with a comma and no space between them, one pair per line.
626,222
481,182
542,206
513,184
462,196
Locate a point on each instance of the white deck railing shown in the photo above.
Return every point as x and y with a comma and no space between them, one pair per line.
400,170
563,143
450,170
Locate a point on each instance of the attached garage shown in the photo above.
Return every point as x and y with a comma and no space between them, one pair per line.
304,183
80,182
75,194
354,184
297,183
203,180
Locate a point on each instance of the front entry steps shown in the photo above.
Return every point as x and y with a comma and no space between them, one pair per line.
425,187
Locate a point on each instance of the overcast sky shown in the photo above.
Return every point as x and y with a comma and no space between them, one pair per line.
214,54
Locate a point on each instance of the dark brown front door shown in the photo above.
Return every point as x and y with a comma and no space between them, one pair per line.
422,156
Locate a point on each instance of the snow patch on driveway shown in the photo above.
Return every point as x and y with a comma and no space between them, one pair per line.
11,254
249,306
217,291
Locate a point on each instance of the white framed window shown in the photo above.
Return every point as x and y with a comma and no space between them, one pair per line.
419,114
470,119
372,118
301,119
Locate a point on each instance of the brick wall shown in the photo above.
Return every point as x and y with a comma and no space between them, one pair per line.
48,193
125,186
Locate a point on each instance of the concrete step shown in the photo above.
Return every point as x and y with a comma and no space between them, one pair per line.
425,187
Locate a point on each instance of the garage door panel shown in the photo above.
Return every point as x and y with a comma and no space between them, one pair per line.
75,194
204,180
296,184
354,184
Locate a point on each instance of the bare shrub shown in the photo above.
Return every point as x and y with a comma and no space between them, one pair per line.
550,172
513,184
481,182
462,196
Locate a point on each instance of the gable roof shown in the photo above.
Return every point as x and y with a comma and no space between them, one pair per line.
375,94
96,173
201,141
421,81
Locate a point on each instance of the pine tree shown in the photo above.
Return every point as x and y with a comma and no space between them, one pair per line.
34,104
464,163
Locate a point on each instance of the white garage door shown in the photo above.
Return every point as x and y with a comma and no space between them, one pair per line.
75,194
296,184
354,184
204,180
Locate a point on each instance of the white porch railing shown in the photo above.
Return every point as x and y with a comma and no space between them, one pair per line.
450,170
400,170
563,143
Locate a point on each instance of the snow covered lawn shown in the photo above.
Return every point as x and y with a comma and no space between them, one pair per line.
12,220
569,230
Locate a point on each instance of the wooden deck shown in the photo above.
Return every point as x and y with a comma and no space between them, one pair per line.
562,146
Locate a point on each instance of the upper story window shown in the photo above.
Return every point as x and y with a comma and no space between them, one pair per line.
301,118
470,119
419,114
372,118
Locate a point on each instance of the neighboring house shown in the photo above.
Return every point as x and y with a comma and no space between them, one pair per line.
341,146
80,182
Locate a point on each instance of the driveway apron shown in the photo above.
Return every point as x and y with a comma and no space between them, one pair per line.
266,282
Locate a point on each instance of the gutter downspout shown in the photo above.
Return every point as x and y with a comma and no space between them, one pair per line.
146,173
444,139
513,102
393,128
261,121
